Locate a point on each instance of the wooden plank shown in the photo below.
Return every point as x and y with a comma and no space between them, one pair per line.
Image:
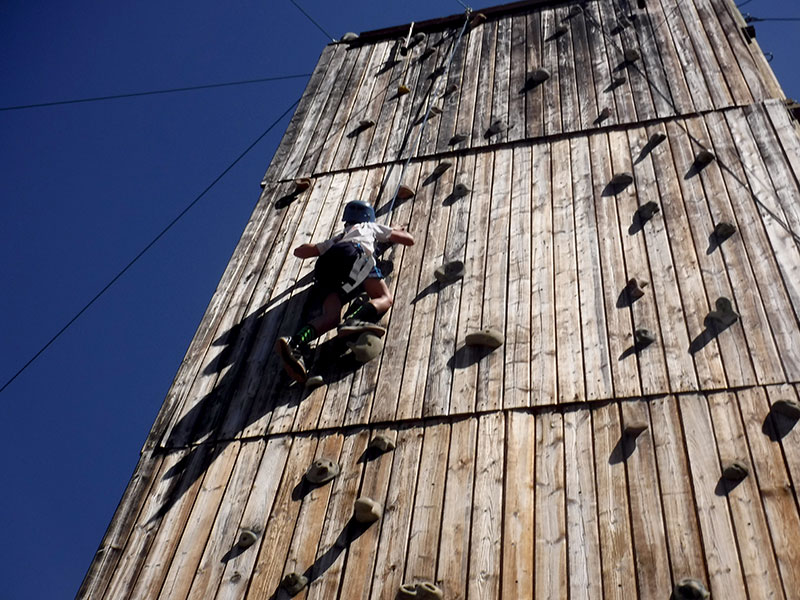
596,39
636,71
583,537
647,519
225,531
569,345
622,92
441,369
543,303
518,509
454,545
396,521
517,377
724,570
487,506
468,93
584,76
517,76
143,534
619,324
667,92
652,363
491,368
596,358
485,67
196,529
534,99
326,571
551,89
664,295
789,441
451,101
759,339
778,497
274,548
447,103
501,84
426,522
550,554
752,533
677,498
570,105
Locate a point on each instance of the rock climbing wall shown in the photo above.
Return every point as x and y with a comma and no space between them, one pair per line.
621,184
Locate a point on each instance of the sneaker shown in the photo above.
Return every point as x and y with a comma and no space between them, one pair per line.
292,359
356,326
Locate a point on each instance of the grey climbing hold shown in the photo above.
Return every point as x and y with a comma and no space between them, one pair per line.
404,192
457,139
647,210
477,19
656,139
621,180
575,11
314,381
496,127
322,470
407,591
247,538
366,510
488,337
537,76
723,230
402,90
604,114
418,38
441,168
349,37
705,157
690,589
450,89
460,190
382,443
366,123
724,315
633,289
429,591
735,471
787,408
449,272
436,109
301,185
367,347
642,338
293,583
634,429
631,55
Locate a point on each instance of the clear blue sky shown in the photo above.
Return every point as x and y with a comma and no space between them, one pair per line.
85,186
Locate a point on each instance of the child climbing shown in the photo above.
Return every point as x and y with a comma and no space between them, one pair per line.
346,262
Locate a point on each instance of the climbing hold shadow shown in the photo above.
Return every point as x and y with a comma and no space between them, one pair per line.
642,215
781,419
604,114
303,488
618,183
535,78
466,356
722,231
689,589
300,186
559,31
615,83
652,142
622,449
495,128
378,446
715,323
642,338
701,161
459,191
457,139
631,293
437,172
362,126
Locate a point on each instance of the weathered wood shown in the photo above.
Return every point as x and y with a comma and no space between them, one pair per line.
551,89
534,98
483,102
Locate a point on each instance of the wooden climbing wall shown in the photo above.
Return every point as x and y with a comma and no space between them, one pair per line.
512,477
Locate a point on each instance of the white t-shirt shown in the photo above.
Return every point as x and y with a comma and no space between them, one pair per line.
365,234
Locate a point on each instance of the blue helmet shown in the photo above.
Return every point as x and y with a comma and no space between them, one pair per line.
358,212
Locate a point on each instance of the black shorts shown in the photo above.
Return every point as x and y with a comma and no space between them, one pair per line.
333,268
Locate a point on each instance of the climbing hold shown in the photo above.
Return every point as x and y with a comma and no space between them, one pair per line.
735,471
656,139
646,211
418,38
301,185
621,180
435,110
724,315
366,347
366,510
366,123
349,37
382,443
314,381
293,583
404,192
449,272
460,190
263,184
723,230
633,289
787,408
634,429
247,538
429,591
642,338
441,168
559,30
641,4
537,76
631,55
450,89
457,139
690,589
619,80
477,19
490,338
402,90
704,157
495,128
574,11
322,470
604,114
407,591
